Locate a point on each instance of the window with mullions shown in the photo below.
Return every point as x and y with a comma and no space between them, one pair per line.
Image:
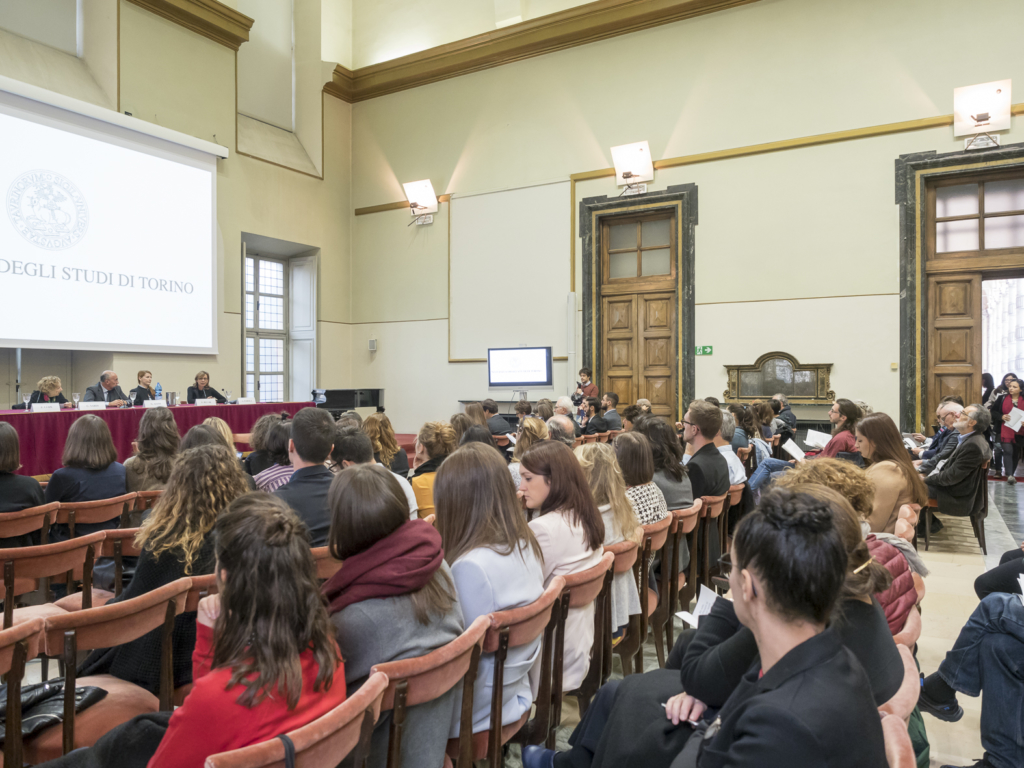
638,248
266,330
986,215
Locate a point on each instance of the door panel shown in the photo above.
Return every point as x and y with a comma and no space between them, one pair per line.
619,347
954,339
655,367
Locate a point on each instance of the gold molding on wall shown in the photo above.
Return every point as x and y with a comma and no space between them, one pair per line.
584,24
210,18
395,206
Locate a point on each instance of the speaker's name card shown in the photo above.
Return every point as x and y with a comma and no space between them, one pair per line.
207,401
154,403
92,405
246,401
45,407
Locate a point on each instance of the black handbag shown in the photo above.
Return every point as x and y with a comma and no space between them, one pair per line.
690,753
42,705
289,751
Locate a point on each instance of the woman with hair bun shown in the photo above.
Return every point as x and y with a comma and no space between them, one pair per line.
435,441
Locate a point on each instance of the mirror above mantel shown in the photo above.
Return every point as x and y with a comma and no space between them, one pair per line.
774,372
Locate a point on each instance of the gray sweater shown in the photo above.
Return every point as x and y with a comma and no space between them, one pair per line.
386,629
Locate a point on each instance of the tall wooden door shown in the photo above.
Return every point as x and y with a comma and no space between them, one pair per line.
639,349
954,339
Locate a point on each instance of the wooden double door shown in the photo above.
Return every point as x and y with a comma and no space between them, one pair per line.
954,339
639,349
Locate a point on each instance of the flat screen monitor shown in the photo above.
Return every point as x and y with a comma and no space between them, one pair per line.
519,367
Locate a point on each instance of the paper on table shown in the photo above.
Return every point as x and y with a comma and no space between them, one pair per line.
793,450
817,439
705,600
1016,417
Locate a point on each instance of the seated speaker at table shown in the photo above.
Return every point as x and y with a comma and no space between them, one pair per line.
203,390
144,391
107,391
49,390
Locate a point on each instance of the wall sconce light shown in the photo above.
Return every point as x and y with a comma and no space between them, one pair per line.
422,201
981,110
633,167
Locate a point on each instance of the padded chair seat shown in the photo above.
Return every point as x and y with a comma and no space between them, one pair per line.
74,602
44,611
123,702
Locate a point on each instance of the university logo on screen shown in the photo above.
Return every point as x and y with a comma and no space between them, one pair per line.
47,210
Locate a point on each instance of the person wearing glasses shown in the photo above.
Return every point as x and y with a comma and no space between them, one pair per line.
707,468
202,390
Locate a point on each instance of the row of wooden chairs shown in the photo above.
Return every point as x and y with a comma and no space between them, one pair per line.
977,520
598,437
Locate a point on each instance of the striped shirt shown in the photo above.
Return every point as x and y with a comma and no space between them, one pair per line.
274,477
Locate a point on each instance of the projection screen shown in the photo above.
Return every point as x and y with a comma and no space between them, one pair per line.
107,237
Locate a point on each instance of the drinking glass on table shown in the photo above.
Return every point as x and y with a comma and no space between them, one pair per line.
227,396
26,398
76,397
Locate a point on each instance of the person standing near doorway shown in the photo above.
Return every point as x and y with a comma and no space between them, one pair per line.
1008,438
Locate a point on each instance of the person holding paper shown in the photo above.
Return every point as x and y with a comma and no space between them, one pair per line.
202,390
1009,407
955,485
48,390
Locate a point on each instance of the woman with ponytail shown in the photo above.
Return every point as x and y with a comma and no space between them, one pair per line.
434,443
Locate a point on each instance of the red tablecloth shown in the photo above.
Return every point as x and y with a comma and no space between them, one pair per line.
42,435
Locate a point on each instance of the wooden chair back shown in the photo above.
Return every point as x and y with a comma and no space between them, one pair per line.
735,499
746,457
683,586
17,646
426,678
776,446
146,499
112,625
594,585
590,438
23,565
709,514
72,513
602,437
326,566
29,521
654,537
119,543
42,478
577,442
626,554
323,743
202,586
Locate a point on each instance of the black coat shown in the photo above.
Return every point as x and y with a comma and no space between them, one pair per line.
709,472
97,394
787,415
956,486
140,394
306,494
194,393
37,397
18,492
498,425
595,425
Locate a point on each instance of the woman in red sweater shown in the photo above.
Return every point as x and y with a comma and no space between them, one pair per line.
245,692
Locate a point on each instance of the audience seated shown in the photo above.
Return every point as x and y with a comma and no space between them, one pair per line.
460,423
629,416
744,426
946,417
476,414
956,486
280,471
1009,441
523,408
562,429
790,693
948,414
385,446
144,390
890,469
708,470
1002,578
156,447
496,563
176,541
723,442
49,390
393,599
777,423
259,458
309,448
670,475
763,416
633,451
610,402
478,434
985,660
532,430
594,423
604,477
434,443
91,472
563,407
570,532
352,446
266,661
202,390
785,413
495,423
221,428
17,492
544,410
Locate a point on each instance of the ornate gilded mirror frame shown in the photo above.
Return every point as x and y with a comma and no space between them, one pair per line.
808,383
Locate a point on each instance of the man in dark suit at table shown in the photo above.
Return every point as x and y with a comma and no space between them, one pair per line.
311,443
107,391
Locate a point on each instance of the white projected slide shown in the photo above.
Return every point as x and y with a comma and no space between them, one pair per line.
106,241
520,367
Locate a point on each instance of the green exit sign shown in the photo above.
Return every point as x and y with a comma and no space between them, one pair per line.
703,350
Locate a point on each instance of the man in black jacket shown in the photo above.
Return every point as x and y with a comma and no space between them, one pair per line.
311,443
707,468
956,485
495,423
610,401
786,414
595,420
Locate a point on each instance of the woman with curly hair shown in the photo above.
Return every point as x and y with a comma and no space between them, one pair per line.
48,390
385,446
434,443
156,447
175,541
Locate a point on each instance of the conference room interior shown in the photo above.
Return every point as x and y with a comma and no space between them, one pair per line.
366,203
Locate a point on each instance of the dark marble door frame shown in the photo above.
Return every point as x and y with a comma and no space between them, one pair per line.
682,199
913,171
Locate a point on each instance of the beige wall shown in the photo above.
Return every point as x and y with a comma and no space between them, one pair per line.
778,235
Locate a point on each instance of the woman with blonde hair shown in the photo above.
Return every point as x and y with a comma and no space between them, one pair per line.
601,469
532,430
496,564
434,443
476,414
175,541
144,391
156,446
385,446
48,390
222,429
460,423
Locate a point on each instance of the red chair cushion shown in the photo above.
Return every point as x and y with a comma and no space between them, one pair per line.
74,602
44,611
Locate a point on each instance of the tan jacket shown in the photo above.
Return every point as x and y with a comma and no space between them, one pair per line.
891,492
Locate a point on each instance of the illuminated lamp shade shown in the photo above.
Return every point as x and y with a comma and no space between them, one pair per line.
422,199
983,108
633,163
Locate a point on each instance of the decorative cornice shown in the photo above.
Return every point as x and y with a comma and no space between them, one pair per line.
210,18
554,32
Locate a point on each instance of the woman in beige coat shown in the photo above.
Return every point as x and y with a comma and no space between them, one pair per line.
897,481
